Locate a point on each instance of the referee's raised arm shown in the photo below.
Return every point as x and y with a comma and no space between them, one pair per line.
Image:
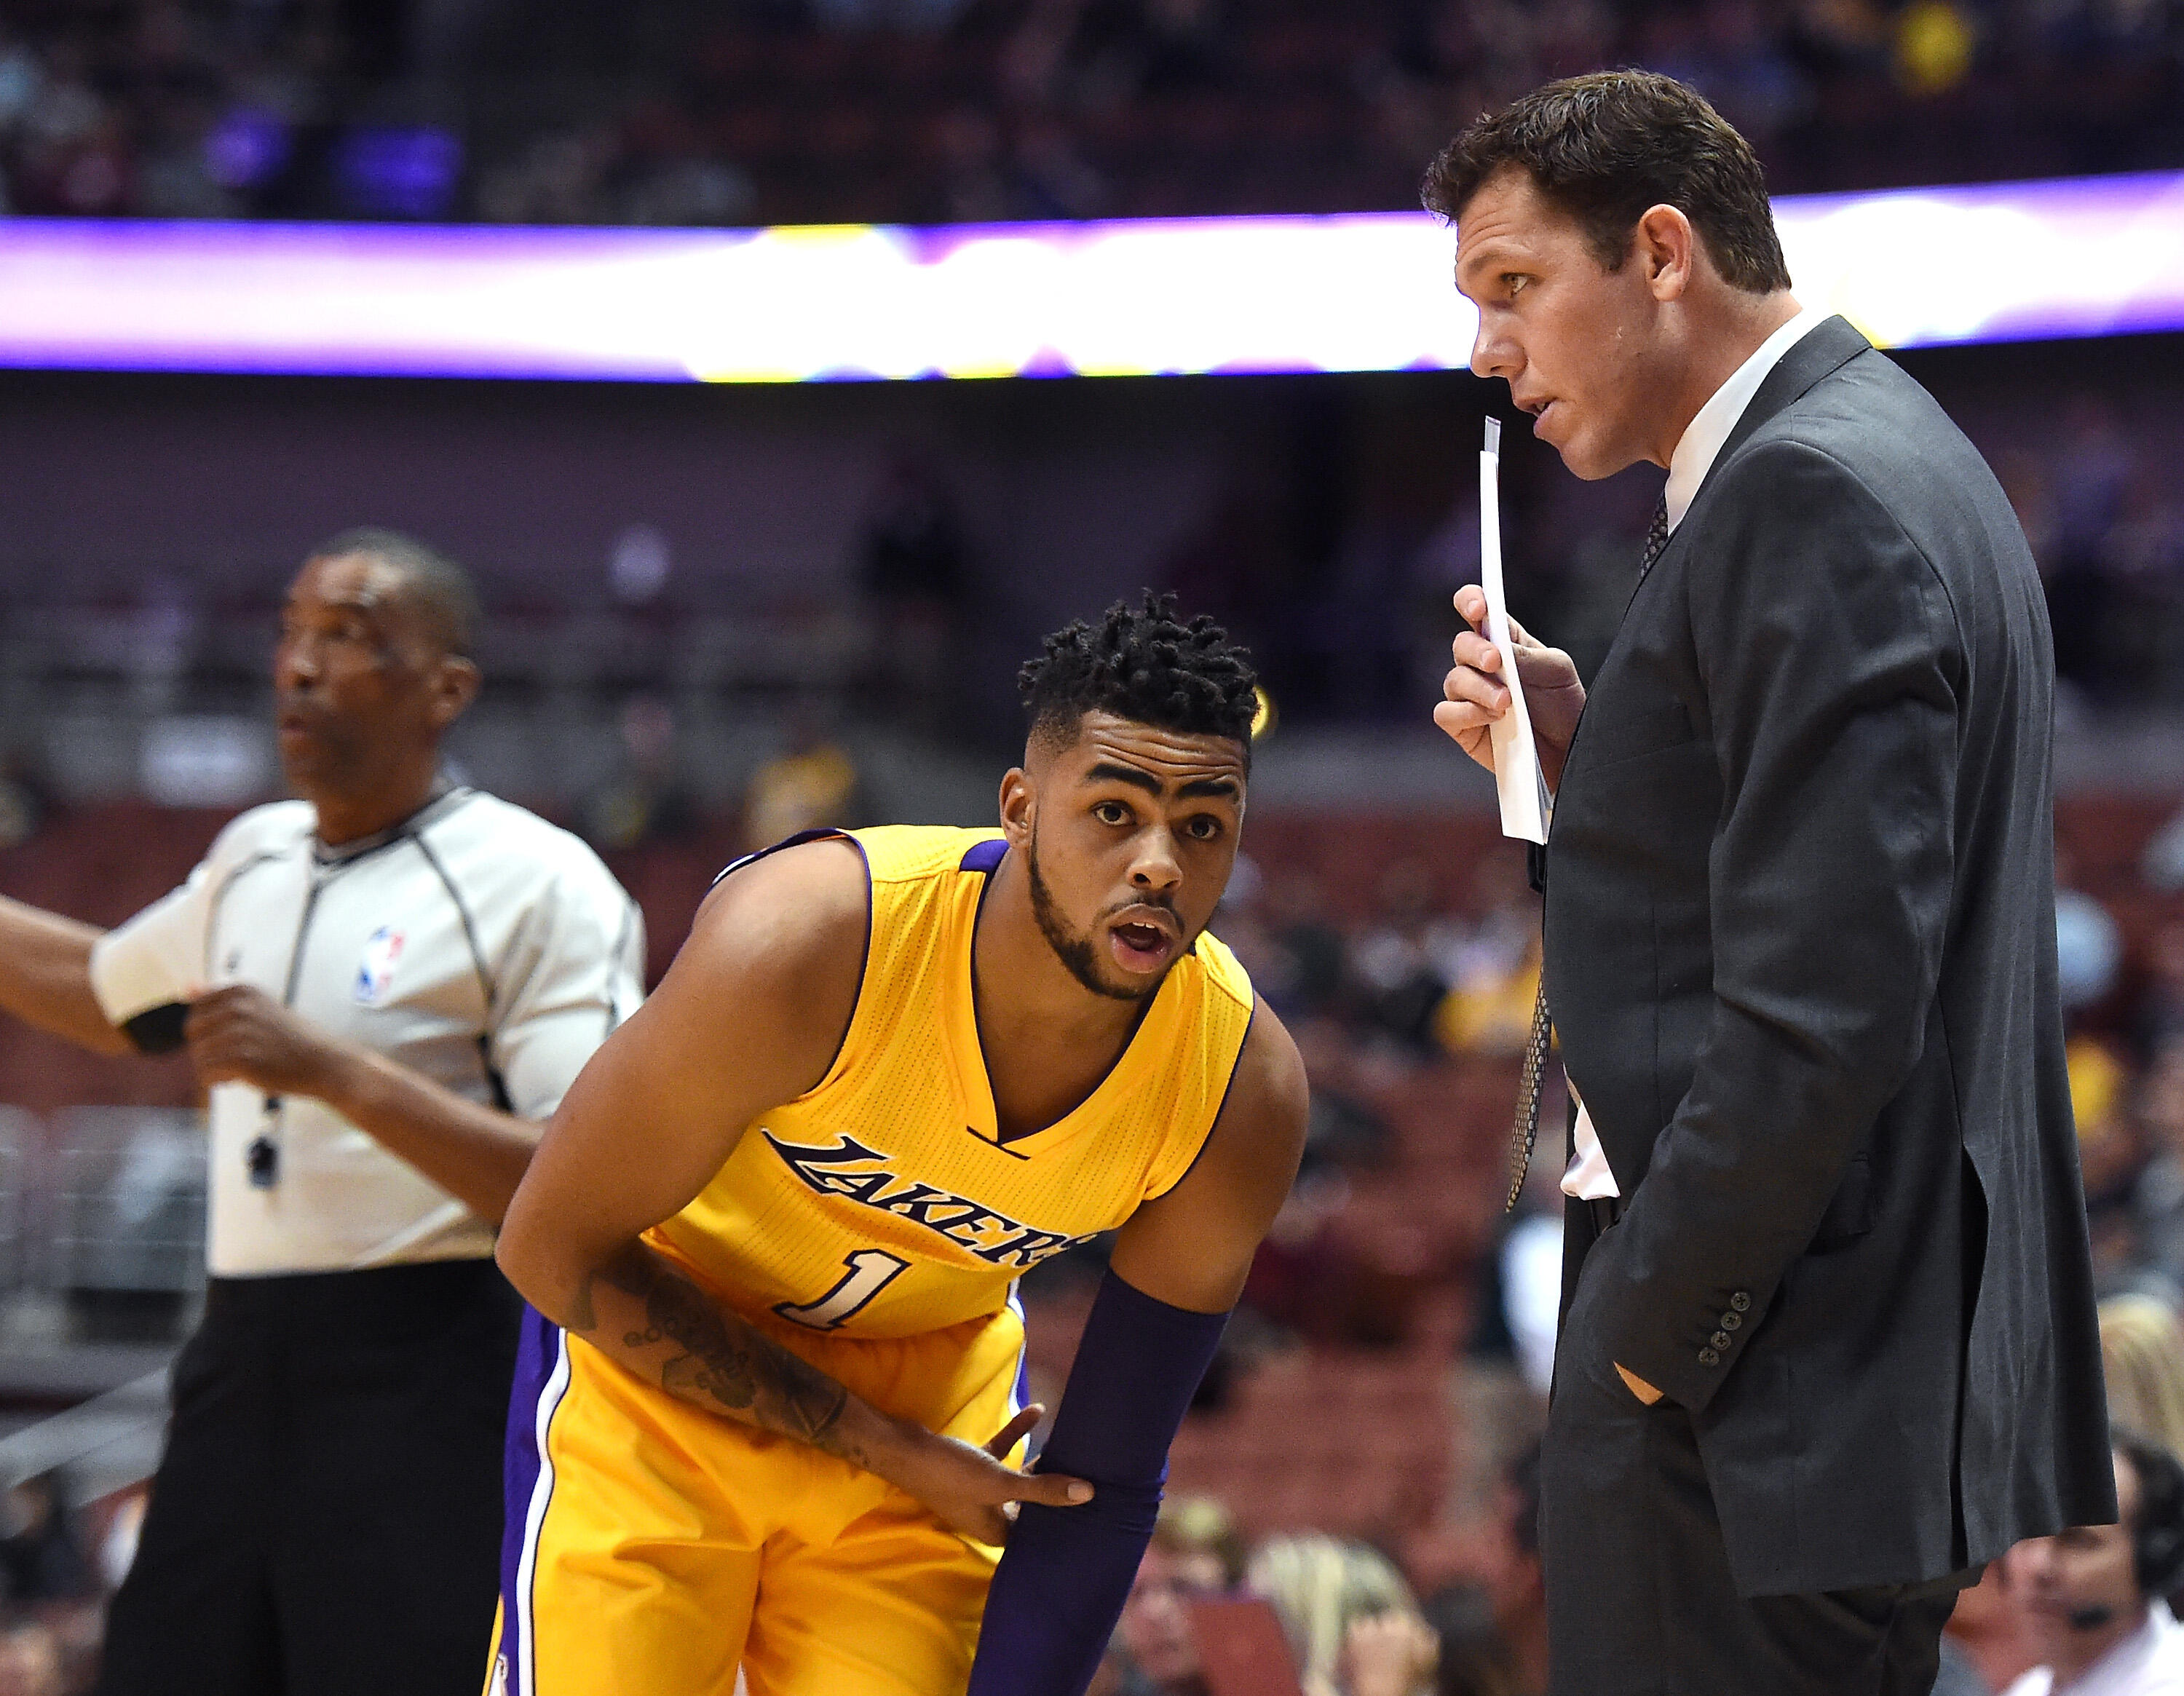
389,954
45,977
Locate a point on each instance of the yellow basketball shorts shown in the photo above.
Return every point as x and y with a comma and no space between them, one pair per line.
651,1548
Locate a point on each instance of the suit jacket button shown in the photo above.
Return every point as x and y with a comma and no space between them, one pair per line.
1730,1321
1719,1339
1709,1358
1740,1301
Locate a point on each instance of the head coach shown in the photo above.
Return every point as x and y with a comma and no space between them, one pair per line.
1828,1340
385,984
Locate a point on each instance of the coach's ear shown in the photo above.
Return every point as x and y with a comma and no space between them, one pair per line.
1017,806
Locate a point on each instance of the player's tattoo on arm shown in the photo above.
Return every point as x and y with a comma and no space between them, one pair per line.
726,1366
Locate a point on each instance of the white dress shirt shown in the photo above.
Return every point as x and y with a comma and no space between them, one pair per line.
1588,1178
2149,1662
475,944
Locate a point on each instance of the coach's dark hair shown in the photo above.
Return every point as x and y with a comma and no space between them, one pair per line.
1605,148
1142,664
442,591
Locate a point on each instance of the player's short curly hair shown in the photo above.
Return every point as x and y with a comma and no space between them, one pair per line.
1142,662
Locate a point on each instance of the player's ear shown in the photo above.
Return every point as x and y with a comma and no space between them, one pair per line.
1016,798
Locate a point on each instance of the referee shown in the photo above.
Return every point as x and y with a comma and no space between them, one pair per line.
386,985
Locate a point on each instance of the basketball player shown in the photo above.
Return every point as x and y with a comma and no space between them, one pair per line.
773,1231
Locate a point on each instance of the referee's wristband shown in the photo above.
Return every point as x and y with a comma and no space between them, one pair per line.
157,1030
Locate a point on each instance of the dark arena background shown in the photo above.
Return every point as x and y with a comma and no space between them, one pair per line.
1005,308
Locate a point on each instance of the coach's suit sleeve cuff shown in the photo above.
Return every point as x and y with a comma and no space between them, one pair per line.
1684,1344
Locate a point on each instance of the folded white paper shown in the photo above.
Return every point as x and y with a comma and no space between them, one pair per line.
1525,809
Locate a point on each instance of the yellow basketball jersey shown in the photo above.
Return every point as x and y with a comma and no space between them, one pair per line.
883,1204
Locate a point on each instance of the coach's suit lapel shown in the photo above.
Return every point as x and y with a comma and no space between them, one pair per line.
1831,344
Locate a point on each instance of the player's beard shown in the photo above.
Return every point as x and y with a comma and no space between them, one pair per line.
1079,953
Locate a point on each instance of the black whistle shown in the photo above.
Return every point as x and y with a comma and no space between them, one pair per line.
263,1157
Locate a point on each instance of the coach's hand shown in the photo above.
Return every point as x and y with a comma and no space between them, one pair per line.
1478,694
974,1489
238,1034
1637,1385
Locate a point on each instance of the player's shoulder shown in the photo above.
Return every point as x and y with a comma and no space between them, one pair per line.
1256,1141
1274,1053
807,887
908,853
775,918
1269,1088
1224,973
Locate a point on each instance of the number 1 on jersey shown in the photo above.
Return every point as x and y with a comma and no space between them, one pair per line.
870,1271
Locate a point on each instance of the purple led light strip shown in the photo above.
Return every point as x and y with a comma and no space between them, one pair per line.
1360,292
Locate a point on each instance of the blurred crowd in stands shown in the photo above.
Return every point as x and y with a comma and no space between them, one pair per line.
639,688
797,111
2099,504
2121,950
59,1561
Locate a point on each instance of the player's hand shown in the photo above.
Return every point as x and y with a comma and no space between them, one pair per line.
239,1034
1477,695
973,1489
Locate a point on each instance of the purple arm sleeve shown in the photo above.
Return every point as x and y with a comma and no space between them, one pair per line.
1066,1571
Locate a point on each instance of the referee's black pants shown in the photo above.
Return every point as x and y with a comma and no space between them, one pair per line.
1641,1600
325,1520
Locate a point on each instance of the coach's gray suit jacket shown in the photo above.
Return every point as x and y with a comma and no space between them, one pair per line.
1800,953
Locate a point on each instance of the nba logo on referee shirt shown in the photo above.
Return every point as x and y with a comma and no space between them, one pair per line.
374,973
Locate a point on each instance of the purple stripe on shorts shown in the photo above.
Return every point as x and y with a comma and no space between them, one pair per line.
538,1350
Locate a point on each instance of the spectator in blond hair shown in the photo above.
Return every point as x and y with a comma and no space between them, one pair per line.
2142,1356
1351,1621
1195,1555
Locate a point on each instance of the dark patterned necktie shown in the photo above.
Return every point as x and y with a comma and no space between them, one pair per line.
1525,1133
1657,537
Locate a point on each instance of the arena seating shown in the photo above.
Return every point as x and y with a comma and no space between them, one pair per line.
1357,1443
667,111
